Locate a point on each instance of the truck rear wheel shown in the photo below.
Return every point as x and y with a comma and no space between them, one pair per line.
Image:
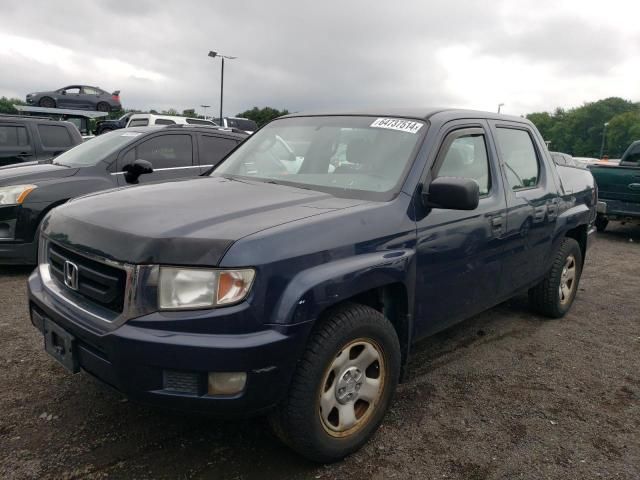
343,385
554,295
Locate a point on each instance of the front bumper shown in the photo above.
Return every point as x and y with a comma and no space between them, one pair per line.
135,360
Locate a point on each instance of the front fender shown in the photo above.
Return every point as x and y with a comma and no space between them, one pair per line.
312,291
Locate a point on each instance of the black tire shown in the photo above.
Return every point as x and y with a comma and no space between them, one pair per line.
547,297
601,223
105,130
47,102
297,421
103,107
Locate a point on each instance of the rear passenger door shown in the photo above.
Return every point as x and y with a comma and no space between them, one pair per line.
171,155
213,148
15,146
532,204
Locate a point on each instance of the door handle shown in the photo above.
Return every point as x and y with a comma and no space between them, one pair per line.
634,186
25,154
496,222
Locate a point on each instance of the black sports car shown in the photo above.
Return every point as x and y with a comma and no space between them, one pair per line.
81,97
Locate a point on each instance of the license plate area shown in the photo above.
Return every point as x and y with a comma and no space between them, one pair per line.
61,345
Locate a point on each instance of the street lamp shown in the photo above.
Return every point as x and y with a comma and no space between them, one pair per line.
213,54
604,131
204,113
500,105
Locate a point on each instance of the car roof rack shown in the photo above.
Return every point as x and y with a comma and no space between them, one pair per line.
34,117
212,127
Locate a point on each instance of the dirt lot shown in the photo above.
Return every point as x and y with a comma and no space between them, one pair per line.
503,395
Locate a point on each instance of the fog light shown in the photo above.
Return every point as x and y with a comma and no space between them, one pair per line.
226,383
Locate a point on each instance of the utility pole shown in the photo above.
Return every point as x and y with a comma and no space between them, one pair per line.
213,54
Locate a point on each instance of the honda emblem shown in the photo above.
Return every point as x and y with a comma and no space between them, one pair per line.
71,275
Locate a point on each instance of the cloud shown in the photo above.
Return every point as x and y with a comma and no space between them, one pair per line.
302,55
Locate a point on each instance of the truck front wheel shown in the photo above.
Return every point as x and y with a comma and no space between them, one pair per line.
601,223
554,295
342,386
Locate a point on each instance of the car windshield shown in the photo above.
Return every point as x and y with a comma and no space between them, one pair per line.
95,150
349,156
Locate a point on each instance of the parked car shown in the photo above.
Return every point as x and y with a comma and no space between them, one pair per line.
245,124
257,289
566,160
79,97
34,139
104,126
619,188
150,119
116,159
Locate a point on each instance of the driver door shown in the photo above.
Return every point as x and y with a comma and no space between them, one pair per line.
170,154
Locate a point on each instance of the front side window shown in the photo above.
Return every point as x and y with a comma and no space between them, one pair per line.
352,156
54,136
632,157
466,157
72,90
519,157
166,151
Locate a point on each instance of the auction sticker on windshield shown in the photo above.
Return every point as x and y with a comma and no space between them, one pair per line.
397,124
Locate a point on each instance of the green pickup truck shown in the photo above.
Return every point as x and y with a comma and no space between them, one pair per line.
618,188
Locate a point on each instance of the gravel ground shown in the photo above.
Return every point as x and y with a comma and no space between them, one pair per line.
504,395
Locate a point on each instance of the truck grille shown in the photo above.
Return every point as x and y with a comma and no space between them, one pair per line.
97,281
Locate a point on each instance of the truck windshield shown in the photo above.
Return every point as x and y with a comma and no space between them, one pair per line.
349,156
95,150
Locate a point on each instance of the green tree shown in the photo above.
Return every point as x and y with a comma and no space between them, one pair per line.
6,105
621,131
578,131
262,115
190,112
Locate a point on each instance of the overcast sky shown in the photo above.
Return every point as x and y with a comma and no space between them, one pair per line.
304,55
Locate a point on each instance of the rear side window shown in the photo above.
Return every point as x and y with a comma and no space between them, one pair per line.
90,91
213,149
13,136
167,151
519,157
467,158
139,122
164,121
197,121
54,136
242,124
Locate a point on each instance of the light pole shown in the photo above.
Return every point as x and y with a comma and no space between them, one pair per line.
500,105
213,54
604,131
204,113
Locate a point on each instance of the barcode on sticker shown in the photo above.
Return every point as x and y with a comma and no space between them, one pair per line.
397,124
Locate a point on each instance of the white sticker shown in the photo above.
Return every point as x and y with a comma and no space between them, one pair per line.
131,134
408,126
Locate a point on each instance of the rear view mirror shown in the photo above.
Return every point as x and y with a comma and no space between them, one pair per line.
452,193
133,170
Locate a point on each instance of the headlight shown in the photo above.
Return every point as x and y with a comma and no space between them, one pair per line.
15,194
191,288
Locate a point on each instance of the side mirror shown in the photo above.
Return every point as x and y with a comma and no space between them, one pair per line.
452,193
63,92
135,169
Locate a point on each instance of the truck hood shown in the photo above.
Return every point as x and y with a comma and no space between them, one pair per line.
33,173
188,222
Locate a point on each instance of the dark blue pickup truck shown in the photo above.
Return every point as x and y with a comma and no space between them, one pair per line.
294,278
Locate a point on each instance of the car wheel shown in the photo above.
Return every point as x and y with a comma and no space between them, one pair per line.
601,223
554,295
47,102
343,385
105,130
103,107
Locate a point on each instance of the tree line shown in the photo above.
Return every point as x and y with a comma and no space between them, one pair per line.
578,131
582,132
